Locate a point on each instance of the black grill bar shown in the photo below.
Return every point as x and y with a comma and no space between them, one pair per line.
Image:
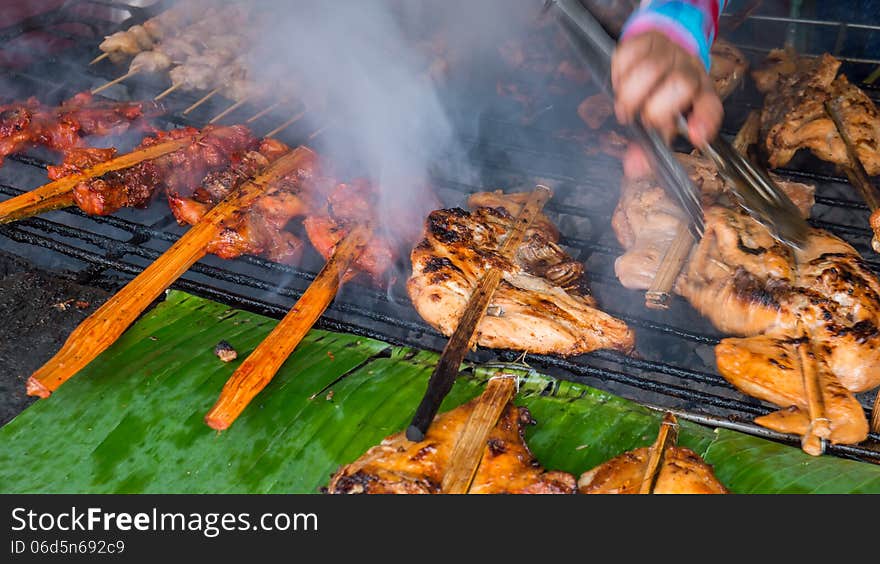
115,249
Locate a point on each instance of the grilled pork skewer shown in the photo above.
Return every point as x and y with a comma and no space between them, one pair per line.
60,193
263,363
102,328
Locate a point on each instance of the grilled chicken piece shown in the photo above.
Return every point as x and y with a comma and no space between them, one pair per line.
542,304
778,63
682,472
729,66
768,368
646,218
795,117
399,466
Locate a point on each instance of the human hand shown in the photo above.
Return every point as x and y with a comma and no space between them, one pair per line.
657,79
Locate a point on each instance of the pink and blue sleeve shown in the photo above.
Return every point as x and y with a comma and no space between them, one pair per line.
690,23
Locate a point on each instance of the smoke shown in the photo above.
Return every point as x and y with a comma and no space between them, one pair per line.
379,72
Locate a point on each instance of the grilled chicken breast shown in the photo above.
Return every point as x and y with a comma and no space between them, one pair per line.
399,466
749,285
682,472
542,304
794,114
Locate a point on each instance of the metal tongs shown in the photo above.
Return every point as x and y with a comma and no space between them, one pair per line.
755,190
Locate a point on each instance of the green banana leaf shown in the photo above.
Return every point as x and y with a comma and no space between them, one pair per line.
132,421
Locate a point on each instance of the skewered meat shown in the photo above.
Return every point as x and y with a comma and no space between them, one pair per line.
729,66
747,284
646,219
179,171
767,367
399,466
682,472
260,229
542,304
795,117
29,123
78,159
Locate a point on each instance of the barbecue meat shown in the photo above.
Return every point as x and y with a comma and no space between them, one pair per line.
177,172
778,63
542,304
646,218
261,229
595,109
394,224
768,368
794,114
682,472
729,66
79,159
399,466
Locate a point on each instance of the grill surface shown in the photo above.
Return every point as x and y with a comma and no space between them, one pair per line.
673,367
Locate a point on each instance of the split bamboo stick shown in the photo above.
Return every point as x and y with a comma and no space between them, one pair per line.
666,438
101,329
471,444
263,363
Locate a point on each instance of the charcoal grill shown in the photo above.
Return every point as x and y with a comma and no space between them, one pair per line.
673,367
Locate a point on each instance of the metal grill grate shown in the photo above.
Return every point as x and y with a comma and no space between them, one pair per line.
674,364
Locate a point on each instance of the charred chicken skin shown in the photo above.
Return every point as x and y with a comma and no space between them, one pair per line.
399,466
794,114
747,284
542,305
681,472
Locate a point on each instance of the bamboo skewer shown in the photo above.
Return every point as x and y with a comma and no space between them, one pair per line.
266,110
202,100
667,437
230,109
133,71
101,329
168,91
99,58
471,444
263,363
875,414
858,177
460,342
286,124
820,426
657,296
60,192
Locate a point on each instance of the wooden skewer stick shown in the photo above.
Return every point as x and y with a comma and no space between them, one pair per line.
202,100
230,109
657,296
99,58
820,426
260,366
875,414
101,329
133,71
169,90
266,110
459,343
54,194
666,438
286,124
858,176
471,444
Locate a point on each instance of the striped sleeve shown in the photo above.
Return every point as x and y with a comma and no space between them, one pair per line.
690,23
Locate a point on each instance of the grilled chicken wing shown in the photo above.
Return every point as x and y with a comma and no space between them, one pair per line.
399,466
542,304
682,472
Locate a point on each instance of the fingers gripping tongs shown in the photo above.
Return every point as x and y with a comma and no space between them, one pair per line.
756,191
